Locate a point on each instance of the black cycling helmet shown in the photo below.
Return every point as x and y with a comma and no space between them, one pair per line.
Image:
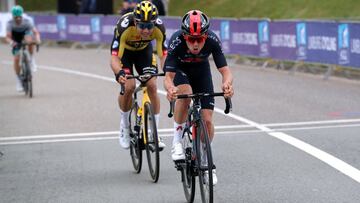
145,11
195,23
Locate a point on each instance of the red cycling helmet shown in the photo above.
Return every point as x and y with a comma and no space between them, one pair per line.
195,23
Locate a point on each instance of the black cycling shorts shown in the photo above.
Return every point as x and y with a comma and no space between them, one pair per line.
200,81
144,61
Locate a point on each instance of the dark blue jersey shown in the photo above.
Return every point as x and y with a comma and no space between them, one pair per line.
179,56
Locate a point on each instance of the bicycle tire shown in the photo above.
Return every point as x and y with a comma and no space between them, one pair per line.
30,85
203,142
187,172
152,143
23,76
135,140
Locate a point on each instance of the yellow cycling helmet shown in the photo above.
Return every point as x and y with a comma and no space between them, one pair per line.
145,11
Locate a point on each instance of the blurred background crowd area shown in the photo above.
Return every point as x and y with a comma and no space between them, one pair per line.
106,7
274,9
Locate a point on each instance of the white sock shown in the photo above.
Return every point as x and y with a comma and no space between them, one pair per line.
157,117
124,119
178,132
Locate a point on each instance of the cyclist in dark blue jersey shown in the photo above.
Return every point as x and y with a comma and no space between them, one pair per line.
188,71
20,29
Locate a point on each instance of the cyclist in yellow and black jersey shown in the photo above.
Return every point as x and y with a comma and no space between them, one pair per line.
131,46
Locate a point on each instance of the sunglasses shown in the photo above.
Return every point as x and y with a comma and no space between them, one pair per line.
143,25
198,39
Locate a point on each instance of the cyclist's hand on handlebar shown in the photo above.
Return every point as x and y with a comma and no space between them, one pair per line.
172,93
122,79
228,90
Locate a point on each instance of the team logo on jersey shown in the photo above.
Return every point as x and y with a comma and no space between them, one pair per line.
115,44
159,21
125,22
175,43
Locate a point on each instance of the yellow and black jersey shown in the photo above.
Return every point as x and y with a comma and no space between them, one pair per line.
126,37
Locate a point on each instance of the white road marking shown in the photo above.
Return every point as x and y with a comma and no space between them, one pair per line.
321,155
164,130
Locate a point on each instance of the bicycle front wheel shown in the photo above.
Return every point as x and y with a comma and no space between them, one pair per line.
135,140
187,172
152,142
30,85
204,162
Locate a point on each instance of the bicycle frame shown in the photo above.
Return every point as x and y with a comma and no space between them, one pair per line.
140,112
195,142
142,87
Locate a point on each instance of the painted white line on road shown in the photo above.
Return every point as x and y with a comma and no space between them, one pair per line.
340,165
332,161
313,122
217,128
321,155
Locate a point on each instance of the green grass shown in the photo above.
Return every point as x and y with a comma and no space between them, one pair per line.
38,5
274,9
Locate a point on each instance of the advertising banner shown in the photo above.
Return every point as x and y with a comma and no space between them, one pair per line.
222,29
48,27
283,40
244,37
354,48
79,28
322,42
108,24
311,41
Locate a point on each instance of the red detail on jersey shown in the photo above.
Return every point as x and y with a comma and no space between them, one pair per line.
127,70
179,128
195,20
115,53
165,53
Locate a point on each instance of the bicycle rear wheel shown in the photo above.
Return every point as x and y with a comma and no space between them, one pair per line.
135,139
152,142
187,172
205,162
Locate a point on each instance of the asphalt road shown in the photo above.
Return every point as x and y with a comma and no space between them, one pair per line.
290,138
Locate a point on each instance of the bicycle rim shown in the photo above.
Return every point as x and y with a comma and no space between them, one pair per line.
187,172
135,141
152,143
30,86
203,151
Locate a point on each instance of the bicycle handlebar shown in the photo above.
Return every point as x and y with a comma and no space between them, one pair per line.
142,78
23,44
228,102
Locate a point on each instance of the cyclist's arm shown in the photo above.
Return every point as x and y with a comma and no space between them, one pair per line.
117,50
161,48
36,35
8,37
169,85
227,80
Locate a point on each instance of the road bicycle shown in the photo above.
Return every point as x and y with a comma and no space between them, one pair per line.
25,70
143,129
198,156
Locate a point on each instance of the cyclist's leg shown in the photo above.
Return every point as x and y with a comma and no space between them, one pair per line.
16,54
125,101
29,39
180,112
204,84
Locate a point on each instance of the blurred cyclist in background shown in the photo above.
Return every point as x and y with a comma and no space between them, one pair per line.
20,30
188,71
131,46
